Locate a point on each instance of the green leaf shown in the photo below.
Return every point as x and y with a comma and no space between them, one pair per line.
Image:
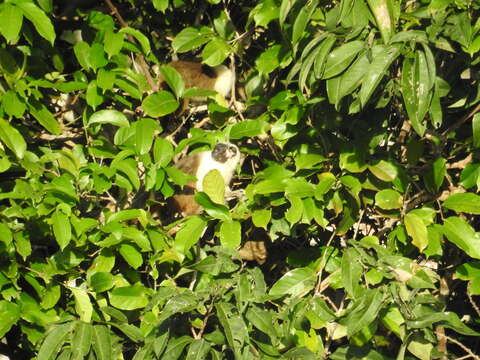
269,60
321,57
302,20
130,330
144,135
476,130
388,199
94,97
12,138
142,39
341,57
299,187
82,53
13,104
468,271
11,19
285,8
189,234
101,281
38,18
296,282
160,5
215,52
261,218
417,230
129,168
131,255
160,104
198,350
174,80
351,271
44,116
175,347
366,311
213,185
129,297
230,234
377,69
62,228
10,314
248,128
448,319
464,202
264,12
113,43
96,57
459,232
81,340
294,213
434,177
83,305
234,327
102,343
383,12
262,320
215,210
5,234
416,89
54,340
190,38
384,170
341,86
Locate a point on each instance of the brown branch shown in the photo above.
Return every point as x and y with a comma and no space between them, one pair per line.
458,343
140,57
460,122
474,304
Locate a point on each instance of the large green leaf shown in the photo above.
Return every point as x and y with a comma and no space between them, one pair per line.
81,340
417,230
12,138
296,282
189,234
190,38
463,202
54,340
39,19
461,233
377,69
129,297
160,104
173,78
11,19
383,12
340,58
10,314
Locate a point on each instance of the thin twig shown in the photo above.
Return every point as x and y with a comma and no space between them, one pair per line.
456,125
459,344
474,305
322,263
140,57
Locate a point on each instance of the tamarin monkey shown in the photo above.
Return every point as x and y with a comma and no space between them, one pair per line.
219,78
224,157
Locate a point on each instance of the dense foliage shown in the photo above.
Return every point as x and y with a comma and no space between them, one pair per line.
360,131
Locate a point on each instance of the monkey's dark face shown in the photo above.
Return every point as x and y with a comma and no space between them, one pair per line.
223,152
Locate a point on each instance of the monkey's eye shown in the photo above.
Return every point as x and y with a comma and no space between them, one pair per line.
233,149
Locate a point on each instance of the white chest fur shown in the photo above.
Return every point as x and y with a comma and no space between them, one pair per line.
207,163
223,84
